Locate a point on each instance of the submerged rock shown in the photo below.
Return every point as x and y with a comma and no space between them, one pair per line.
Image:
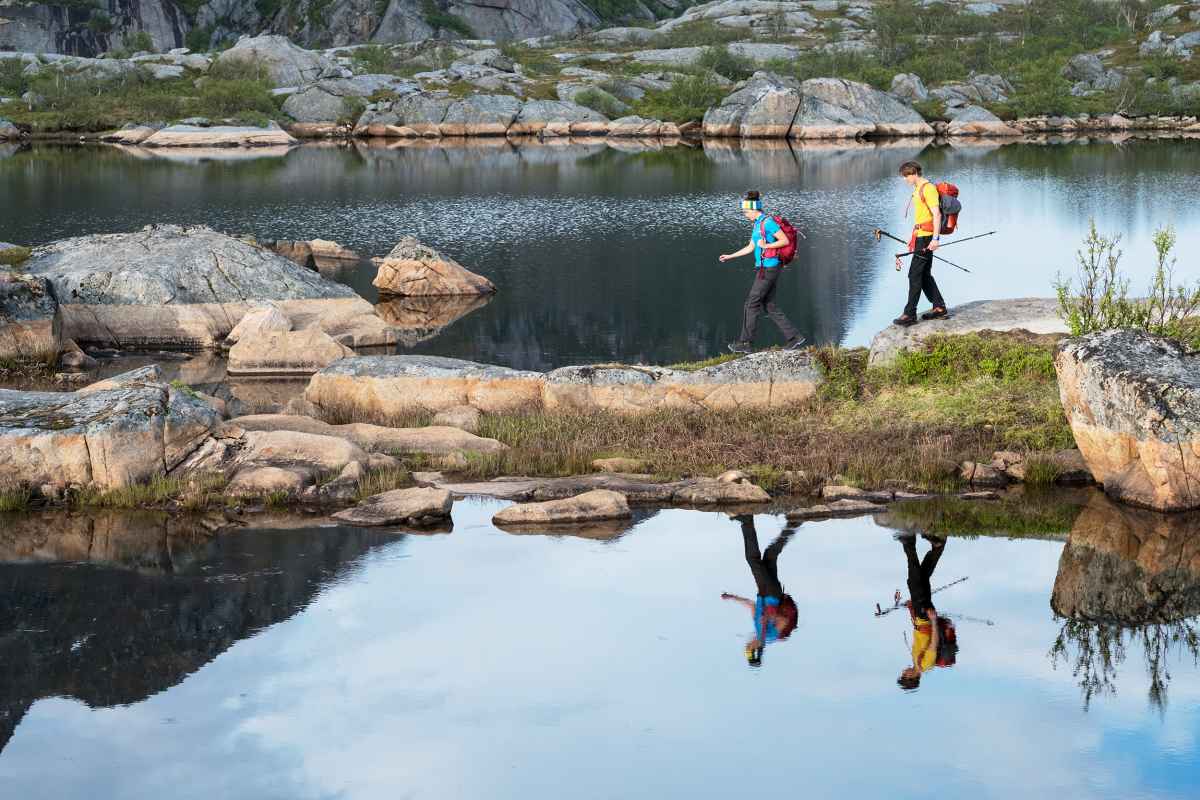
400,507
1133,402
174,287
1037,316
593,506
125,430
414,269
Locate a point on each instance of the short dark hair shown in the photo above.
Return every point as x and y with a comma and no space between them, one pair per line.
910,168
909,684
753,195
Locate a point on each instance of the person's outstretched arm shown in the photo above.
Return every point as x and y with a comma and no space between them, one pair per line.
747,603
745,251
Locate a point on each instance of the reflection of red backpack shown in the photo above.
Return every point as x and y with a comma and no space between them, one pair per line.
947,643
784,254
948,204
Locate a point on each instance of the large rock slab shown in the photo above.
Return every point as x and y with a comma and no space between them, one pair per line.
300,352
1133,402
284,63
978,121
379,387
557,118
233,451
173,287
422,506
641,489
1031,315
594,506
28,317
414,269
125,430
219,136
437,440
326,100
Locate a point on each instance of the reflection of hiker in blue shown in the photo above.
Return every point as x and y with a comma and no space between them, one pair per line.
774,611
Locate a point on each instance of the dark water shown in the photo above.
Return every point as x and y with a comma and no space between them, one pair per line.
604,253
145,658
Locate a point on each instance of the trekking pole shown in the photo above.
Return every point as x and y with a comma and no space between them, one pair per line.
947,244
883,612
879,232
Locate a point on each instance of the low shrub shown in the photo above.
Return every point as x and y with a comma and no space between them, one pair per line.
688,99
600,102
722,61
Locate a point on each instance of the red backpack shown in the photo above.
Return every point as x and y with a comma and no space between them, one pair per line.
948,204
947,652
785,254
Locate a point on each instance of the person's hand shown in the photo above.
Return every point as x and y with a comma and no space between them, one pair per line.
726,596
723,258
898,265
933,246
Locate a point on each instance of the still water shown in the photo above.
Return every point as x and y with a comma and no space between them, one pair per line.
603,254
143,657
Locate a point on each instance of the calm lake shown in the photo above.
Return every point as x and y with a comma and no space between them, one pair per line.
148,658
605,254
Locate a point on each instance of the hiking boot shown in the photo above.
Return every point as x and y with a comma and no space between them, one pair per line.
740,348
937,312
795,343
905,321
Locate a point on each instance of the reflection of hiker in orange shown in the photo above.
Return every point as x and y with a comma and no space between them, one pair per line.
774,612
934,639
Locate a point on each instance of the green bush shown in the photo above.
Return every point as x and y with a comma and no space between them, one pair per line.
600,102
12,79
374,59
720,60
440,20
1097,298
199,39
138,41
688,99
701,33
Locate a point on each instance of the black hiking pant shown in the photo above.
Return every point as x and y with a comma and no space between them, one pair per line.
920,572
760,299
764,566
920,278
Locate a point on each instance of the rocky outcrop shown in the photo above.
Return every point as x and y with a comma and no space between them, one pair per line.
414,269
175,287
316,254
1133,402
594,506
289,352
433,116
125,430
978,121
28,321
1128,566
405,20
419,507
770,106
219,136
284,63
1035,315
65,28
381,387
326,100
438,439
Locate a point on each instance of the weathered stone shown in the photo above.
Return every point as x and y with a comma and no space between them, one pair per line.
909,88
126,430
833,108
978,121
480,115
416,269
432,440
260,321
257,481
593,506
854,493
635,127
232,448
847,507
539,116
326,100
219,136
71,357
29,325
400,507
1133,402
282,352
713,492
464,418
1030,316
168,286
284,63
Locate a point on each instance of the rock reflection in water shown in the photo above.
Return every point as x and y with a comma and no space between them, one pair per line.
418,319
1127,579
175,597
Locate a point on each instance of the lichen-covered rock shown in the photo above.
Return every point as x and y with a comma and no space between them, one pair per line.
232,448
555,117
326,100
480,115
282,352
978,121
174,287
593,506
128,429
259,321
28,321
1032,315
284,63
1133,402
414,269
400,507
219,136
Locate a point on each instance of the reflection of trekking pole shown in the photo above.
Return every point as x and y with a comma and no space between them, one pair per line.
880,232
948,244
883,612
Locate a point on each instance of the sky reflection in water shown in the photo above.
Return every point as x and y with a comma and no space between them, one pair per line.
482,664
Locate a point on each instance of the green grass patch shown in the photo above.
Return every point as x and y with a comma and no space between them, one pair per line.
13,500
1035,515
601,102
694,366
688,99
11,256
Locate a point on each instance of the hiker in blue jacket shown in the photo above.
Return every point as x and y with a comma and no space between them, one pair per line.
765,240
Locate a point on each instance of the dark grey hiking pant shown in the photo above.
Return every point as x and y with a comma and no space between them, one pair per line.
760,299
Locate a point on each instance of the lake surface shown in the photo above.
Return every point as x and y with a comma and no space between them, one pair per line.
144,657
611,254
